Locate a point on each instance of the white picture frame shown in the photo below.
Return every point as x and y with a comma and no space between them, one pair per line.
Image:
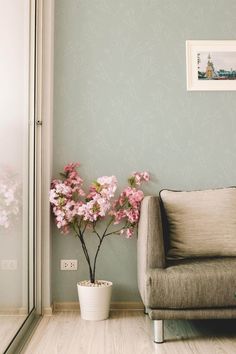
211,65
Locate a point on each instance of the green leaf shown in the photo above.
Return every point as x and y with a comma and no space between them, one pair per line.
131,181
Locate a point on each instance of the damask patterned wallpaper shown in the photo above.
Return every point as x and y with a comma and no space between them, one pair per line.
121,105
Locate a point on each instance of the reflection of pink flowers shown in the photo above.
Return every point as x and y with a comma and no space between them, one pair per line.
9,199
75,210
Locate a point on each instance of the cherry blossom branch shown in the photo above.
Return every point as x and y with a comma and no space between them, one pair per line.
117,232
95,231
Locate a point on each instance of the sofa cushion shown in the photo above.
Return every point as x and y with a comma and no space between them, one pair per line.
193,283
200,223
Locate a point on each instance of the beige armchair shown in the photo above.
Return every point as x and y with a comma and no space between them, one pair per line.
189,288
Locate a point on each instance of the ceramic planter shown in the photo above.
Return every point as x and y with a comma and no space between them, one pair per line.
94,299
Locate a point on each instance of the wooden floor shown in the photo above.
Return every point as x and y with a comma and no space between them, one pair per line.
129,332
9,325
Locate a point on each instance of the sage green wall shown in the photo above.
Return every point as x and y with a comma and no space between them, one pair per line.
121,105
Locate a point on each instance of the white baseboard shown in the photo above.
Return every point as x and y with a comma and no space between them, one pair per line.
22,311
118,305
13,311
48,311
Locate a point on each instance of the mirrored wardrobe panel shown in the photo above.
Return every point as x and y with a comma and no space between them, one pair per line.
16,166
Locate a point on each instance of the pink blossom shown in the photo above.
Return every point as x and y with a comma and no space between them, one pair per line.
62,188
55,182
104,186
118,216
53,197
70,167
133,215
89,211
73,179
70,210
109,185
94,208
129,232
140,177
68,207
136,197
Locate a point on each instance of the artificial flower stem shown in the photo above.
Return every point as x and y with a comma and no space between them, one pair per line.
116,231
96,255
86,254
101,240
96,233
85,227
108,225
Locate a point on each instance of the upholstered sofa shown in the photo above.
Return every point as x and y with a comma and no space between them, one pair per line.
193,277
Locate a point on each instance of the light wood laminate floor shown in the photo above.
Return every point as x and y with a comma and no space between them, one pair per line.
9,325
129,332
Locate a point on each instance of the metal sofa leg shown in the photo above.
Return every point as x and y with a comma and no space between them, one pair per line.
158,326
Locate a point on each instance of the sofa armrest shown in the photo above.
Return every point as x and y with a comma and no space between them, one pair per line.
150,245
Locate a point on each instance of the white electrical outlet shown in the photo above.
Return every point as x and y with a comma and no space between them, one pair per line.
8,264
69,264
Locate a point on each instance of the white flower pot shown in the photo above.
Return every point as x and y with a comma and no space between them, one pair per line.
94,299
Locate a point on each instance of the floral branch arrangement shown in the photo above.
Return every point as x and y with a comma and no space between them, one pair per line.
76,211
9,199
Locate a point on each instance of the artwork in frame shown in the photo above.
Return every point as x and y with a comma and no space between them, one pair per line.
211,65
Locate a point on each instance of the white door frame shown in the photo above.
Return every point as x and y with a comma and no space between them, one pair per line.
44,121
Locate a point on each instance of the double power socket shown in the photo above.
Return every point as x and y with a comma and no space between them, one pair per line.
65,264
8,264
68,264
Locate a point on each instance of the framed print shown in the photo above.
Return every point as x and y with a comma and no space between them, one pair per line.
211,65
